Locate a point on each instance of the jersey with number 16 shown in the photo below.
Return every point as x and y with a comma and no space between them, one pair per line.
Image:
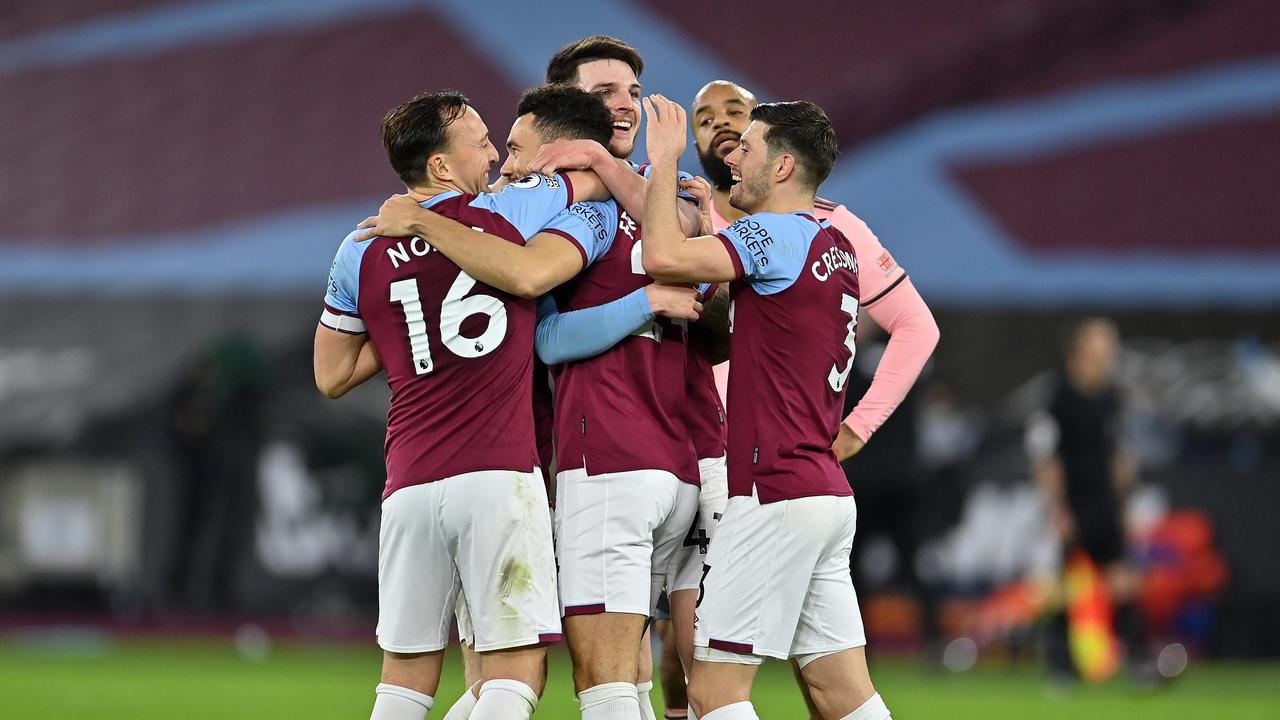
458,354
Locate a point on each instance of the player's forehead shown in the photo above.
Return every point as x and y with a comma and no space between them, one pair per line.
522,133
469,127
754,134
719,96
606,74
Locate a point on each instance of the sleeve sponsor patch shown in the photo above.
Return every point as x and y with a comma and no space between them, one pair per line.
755,237
594,219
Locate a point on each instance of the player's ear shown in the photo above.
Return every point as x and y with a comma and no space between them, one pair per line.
784,167
438,168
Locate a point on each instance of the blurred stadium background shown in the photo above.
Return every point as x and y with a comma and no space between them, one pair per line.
177,175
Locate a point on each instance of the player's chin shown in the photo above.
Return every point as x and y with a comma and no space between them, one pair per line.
621,146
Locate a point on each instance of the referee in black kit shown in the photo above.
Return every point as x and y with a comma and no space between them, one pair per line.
1081,465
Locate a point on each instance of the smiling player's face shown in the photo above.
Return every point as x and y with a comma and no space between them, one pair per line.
750,168
471,155
615,83
523,143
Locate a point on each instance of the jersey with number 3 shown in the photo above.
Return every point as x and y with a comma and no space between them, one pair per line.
792,321
458,354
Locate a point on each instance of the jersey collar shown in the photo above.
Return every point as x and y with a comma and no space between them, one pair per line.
437,199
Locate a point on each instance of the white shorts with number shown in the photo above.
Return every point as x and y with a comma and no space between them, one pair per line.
778,582
686,566
615,535
488,532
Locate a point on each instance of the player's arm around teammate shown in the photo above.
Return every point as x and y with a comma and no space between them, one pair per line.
626,185
580,334
527,271
545,114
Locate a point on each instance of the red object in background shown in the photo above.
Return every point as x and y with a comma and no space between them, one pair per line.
1182,564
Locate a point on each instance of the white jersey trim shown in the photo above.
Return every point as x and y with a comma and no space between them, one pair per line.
342,323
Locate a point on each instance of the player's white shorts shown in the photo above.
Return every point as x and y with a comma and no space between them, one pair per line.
778,582
488,532
463,617
615,535
685,572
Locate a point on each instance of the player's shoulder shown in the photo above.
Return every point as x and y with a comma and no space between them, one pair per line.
840,217
537,182
776,227
351,249
525,192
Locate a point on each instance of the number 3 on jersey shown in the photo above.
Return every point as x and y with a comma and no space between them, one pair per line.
455,308
837,377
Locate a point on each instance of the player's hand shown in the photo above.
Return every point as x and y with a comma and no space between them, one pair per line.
847,444
394,219
701,189
666,131
569,155
675,302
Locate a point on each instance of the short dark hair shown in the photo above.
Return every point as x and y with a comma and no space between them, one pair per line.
564,111
563,66
803,130
416,130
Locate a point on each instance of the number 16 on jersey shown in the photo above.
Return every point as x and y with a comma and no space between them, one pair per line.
455,308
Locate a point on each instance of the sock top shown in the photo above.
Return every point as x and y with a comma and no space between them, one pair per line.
511,686
422,699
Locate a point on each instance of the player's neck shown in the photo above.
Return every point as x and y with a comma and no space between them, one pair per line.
720,198
784,201
428,190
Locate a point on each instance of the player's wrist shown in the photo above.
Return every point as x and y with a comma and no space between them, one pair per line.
664,160
651,298
598,156
421,224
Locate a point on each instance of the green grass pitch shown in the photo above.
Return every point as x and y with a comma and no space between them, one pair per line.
144,679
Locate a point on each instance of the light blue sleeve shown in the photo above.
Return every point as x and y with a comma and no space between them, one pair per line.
590,226
342,298
529,204
344,277
581,334
771,248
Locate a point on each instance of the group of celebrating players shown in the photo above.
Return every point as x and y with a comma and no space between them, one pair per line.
569,317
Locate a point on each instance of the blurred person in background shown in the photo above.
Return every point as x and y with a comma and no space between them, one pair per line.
1085,472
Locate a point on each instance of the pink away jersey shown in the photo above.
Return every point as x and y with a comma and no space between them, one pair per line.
458,354
792,324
